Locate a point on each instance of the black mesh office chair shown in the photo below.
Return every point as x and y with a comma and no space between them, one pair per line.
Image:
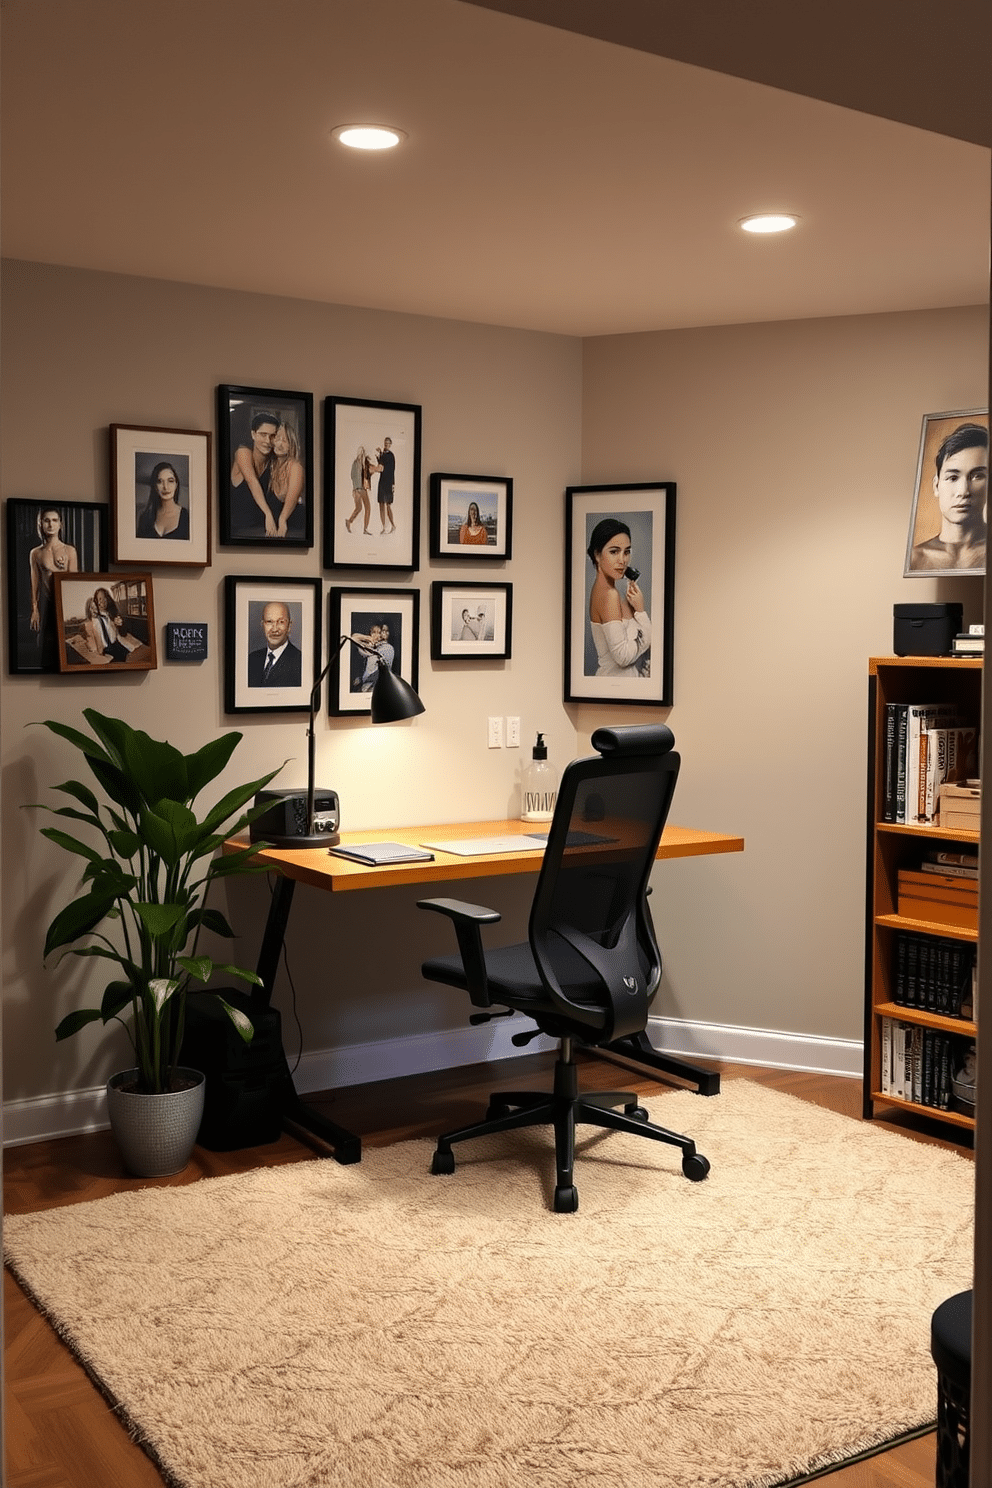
591,967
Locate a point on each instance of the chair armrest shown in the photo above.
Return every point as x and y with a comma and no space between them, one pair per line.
468,920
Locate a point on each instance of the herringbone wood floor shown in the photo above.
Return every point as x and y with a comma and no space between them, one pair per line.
60,1431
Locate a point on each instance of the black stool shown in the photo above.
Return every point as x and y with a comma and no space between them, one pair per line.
950,1345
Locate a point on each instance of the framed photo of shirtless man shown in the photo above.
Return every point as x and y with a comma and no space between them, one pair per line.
371,484
619,593
46,538
265,467
948,522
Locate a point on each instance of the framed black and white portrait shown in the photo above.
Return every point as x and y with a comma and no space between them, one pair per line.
160,495
106,622
371,484
271,643
471,620
948,521
46,538
265,467
387,620
471,516
619,593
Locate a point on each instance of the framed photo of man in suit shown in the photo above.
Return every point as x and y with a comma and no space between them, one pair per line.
271,644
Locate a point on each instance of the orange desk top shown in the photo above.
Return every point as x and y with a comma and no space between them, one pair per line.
320,868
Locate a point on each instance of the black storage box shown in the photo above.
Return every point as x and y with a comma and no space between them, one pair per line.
925,629
243,1101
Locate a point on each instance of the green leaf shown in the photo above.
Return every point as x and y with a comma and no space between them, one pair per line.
240,1020
73,1022
125,844
200,967
111,732
160,920
77,919
166,829
239,971
160,989
238,862
157,768
81,742
211,919
72,844
207,763
116,997
82,793
117,786
235,799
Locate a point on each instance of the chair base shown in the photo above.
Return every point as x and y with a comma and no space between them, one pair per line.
563,1108
638,1046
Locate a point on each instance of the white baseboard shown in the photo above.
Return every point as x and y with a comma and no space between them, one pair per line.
68,1113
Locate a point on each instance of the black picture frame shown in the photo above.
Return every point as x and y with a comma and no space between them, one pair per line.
354,611
137,457
356,431
471,621
249,686
242,523
451,500
598,673
106,623
964,549
84,526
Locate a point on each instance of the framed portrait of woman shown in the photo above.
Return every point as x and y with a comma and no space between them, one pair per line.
106,622
371,484
619,593
265,467
385,622
46,538
471,516
160,495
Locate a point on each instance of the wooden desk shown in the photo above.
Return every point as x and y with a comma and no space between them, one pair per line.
320,869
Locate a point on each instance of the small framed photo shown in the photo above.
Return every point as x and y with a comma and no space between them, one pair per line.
472,620
619,593
106,622
388,619
160,495
265,467
271,644
471,516
947,525
371,484
46,538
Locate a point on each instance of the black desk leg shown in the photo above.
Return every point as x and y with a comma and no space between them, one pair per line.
347,1146
638,1046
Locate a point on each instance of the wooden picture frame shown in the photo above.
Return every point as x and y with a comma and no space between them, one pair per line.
106,622
366,442
270,615
73,540
363,613
160,495
947,521
471,516
265,484
470,620
618,660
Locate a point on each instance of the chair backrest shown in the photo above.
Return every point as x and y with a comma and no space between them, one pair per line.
590,929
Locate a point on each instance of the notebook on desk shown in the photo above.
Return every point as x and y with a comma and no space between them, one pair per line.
476,847
378,853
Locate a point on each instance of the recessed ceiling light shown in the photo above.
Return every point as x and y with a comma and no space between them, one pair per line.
769,222
368,136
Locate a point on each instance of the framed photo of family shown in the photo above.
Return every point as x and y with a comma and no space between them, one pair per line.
470,620
371,484
947,523
619,593
46,538
389,620
271,643
160,495
471,516
265,467
106,622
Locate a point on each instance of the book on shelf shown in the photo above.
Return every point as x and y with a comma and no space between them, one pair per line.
953,857
932,973
950,870
919,718
924,746
967,643
918,1064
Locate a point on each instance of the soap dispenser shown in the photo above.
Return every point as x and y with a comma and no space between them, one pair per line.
540,785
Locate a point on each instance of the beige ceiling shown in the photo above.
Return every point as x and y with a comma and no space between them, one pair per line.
550,180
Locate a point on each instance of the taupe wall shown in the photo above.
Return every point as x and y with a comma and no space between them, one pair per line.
795,446
82,350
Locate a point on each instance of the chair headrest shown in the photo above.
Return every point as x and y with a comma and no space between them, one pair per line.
644,738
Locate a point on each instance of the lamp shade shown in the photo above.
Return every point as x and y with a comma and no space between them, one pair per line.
392,698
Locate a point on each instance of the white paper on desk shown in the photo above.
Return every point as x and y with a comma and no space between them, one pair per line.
477,847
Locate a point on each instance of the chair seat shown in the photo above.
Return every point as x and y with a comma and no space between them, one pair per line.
514,979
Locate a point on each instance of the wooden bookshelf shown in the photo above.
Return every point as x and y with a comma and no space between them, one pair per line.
891,846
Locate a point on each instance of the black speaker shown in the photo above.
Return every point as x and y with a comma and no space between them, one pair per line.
286,818
245,1082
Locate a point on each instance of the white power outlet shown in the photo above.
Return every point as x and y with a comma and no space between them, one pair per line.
495,733
512,733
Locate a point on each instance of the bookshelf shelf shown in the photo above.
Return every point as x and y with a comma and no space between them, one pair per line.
892,846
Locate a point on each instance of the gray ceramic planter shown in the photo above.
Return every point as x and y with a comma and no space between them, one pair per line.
155,1133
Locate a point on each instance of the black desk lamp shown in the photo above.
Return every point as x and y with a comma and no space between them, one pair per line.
392,699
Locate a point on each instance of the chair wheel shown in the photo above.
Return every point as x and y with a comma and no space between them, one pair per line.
695,1167
637,1112
443,1162
566,1200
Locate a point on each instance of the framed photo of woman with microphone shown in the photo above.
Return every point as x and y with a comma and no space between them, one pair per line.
619,593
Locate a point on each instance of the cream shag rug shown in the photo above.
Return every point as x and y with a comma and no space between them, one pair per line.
376,1327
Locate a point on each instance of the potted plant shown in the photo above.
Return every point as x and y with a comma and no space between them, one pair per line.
143,906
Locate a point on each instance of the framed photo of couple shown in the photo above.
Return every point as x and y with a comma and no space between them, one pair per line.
371,484
470,620
265,467
619,593
160,495
106,622
388,619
